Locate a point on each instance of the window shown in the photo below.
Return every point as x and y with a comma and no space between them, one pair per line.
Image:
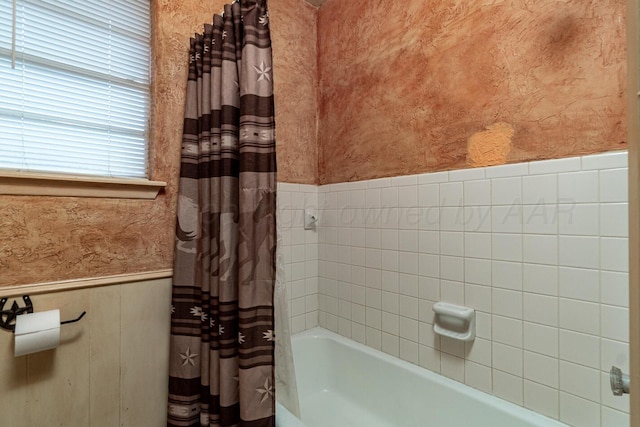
74,86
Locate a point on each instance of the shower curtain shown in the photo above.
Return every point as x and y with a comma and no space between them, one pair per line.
222,325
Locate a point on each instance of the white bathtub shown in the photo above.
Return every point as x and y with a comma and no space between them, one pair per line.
345,384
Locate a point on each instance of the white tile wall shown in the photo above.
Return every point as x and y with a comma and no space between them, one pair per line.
539,249
300,251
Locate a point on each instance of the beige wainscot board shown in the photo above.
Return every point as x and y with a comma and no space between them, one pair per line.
111,367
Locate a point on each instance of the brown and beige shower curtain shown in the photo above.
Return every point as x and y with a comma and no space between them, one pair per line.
222,325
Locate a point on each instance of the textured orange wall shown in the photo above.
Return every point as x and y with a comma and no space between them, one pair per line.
49,239
424,85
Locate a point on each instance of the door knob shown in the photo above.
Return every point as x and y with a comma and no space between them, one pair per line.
619,381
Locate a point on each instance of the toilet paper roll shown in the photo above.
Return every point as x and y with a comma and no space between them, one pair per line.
36,332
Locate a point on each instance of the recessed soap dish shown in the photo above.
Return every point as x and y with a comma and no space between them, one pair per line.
454,321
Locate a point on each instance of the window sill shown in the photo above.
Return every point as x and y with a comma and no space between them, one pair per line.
40,184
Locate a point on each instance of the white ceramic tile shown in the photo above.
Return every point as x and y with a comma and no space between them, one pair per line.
389,302
452,367
408,306
429,218
358,314
555,165
373,298
506,330
578,187
541,279
507,275
479,351
478,297
389,260
508,387
614,186
502,171
614,353
389,197
576,411
614,253
477,245
541,399
620,403
478,376
540,249
540,219
614,219
540,309
429,358
580,380
579,219
434,177
579,316
609,160
580,348
541,339
452,291
408,262
390,323
451,346
373,318
506,219
579,251
358,199
429,288
409,351
540,189
344,309
389,281
506,191
541,369
614,288
429,265
408,240
477,219
483,325
613,418
452,268
373,338
408,284
615,323
409,328
426,335
579,283
373,278
344,327
429,242
451,243
466,174
477,193
390,344
507,303
429,195
451,194
401,181
452,219
506,247
477,271
408,196
379,183
358,333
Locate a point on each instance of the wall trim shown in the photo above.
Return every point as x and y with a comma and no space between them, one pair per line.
92,282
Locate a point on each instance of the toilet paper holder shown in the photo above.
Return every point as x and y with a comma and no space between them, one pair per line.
8,317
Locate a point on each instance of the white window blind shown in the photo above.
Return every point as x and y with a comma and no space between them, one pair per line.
76,98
